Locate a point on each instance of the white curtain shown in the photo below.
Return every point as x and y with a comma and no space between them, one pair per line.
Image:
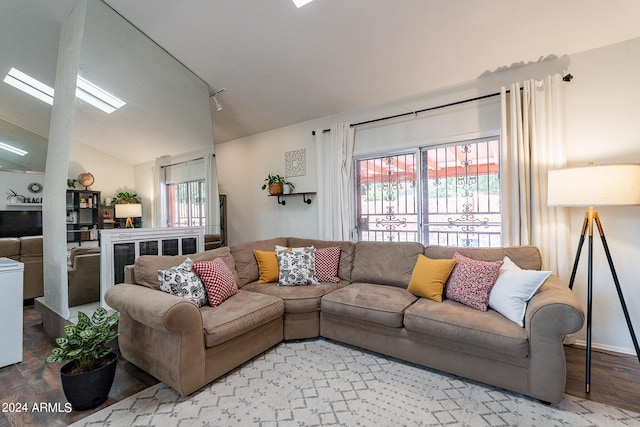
532,144
334,152
159,218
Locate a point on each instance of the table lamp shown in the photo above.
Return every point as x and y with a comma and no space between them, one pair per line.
589,186
128,211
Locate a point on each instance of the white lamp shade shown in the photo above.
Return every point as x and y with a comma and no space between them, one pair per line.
598,185
128,210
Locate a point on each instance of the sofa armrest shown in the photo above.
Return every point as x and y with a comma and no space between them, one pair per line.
553,312
155,309
161,334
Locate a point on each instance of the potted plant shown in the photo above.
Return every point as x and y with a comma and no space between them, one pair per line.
71,183
125,197
275,184
14,197
88,376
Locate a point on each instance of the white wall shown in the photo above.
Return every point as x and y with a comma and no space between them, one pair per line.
19,182
602,105
602,108
111,174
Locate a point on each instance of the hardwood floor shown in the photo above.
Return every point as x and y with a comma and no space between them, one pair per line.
615,380
32,382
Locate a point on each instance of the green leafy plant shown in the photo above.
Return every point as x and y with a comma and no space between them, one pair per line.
275,179
125,197
71,183
87,341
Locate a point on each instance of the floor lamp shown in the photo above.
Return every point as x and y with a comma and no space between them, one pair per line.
589,186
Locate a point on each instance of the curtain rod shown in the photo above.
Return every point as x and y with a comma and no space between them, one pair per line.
183,162
566,78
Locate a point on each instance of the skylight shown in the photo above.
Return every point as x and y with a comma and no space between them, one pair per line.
97,97
12,149
85,90
28,84
300,3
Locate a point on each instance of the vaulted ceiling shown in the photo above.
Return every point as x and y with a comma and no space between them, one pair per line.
282,65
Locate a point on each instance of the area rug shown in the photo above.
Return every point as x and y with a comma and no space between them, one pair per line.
323,383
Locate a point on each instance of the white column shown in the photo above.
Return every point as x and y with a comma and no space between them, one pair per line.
57,166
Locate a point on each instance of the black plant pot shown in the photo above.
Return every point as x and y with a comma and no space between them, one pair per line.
88,390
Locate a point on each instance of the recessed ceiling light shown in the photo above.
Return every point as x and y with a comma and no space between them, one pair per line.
300,3
12,149
85,90
28,84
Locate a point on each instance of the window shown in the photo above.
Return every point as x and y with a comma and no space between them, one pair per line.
456,200
461,196
387,206
187,204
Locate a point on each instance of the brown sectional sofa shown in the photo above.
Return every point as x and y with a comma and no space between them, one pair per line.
27,250
187,347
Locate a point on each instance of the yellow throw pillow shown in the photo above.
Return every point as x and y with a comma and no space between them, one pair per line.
429,276
267,265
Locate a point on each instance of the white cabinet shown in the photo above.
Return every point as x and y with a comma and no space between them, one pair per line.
121,246
11,278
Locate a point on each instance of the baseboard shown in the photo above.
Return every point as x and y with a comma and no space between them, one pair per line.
605,347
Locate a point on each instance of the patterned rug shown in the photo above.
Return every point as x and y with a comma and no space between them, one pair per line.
323,383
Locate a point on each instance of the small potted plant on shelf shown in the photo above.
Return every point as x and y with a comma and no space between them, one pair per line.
88,376
275,184
13,197
71,183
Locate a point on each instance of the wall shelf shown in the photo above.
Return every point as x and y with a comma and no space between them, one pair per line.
304,195
22,204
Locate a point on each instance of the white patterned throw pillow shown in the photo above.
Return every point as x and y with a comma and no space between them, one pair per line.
183,282
297,267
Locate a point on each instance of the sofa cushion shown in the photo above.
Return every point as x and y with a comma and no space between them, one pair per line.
217,279
146,266
429,276
385,263
527,257
237,315
456,322
297,299
369,302
347,250
31,248
471,281
245,262
82,250
297,267
10,247
182,281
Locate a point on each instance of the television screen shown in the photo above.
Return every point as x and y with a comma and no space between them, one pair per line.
20,223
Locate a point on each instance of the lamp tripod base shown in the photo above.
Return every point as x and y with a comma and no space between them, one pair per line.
590,218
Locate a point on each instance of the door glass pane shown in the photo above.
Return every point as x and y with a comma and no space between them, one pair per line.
387,208
461,194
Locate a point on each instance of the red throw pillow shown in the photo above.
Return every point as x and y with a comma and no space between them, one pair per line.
471,281
217,278
327,263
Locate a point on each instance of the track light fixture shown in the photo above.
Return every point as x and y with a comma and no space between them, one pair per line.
215,99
